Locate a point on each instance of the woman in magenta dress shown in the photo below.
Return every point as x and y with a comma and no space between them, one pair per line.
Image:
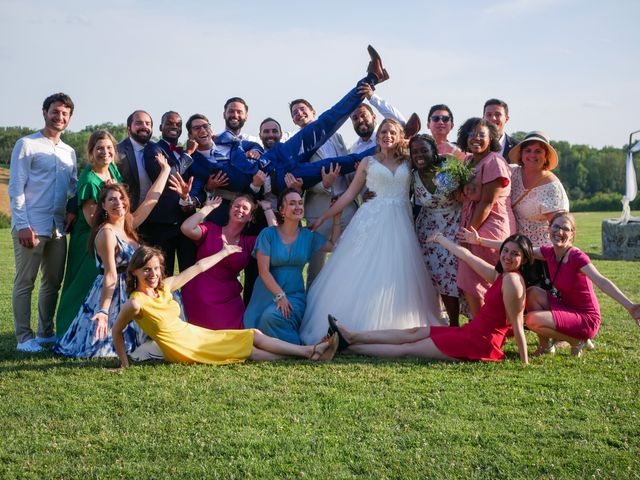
569,311
481,338
486,204
213,300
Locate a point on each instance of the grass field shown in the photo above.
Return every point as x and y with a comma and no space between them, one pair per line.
559,418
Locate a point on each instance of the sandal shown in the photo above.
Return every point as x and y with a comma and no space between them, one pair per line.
576,350
333,328
329,353
550,349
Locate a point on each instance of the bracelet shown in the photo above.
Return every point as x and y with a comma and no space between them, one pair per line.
102,311
279,296
186,203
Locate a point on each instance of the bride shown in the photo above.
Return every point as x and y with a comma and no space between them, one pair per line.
375,279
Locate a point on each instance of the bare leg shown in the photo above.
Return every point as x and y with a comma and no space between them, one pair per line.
541,322
537,301
267,348
475,303
424,348
452,306
264,356
395,337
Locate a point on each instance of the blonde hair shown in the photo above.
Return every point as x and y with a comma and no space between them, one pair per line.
400,152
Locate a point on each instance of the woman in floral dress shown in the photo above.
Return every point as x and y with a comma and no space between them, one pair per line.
440,212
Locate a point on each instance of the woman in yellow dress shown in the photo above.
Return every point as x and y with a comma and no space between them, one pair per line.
152,306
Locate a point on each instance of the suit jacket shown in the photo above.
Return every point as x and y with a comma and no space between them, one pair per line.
129,169
168,210
509,143
317,199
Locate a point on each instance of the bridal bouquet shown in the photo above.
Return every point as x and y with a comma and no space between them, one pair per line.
452,176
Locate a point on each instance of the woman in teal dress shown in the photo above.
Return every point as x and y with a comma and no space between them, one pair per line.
81,268
279,298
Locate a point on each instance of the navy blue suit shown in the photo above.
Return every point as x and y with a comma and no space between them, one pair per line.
162,227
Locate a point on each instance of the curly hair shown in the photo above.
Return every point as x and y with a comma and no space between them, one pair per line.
471,125
437,158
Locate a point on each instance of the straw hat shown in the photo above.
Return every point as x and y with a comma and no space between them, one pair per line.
535,136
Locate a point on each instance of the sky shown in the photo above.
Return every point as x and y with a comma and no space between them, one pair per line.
567,67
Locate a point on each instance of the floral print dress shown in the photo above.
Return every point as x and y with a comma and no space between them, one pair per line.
439,213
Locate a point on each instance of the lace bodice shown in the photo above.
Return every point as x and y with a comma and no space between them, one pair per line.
386,184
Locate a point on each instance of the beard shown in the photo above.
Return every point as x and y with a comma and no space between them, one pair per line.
142,137
234,124
365,130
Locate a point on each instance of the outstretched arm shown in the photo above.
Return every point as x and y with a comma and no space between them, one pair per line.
470,236
347,197
174,283
513,294
153,195
482,268
190,227
610,288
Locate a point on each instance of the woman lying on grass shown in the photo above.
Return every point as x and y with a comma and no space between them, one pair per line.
480,339
152,306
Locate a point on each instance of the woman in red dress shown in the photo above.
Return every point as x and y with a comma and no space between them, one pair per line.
480,339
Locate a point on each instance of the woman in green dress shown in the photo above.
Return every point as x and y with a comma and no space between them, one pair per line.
81,268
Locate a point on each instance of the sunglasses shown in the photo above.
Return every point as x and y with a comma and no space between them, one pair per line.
440,118
197,128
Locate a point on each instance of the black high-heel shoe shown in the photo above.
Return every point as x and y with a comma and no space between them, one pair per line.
333,328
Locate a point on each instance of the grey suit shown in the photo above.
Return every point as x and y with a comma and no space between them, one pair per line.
129,170
317,200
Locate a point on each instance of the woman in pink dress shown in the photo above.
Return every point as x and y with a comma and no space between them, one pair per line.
486,204
480,339
213,300
568,310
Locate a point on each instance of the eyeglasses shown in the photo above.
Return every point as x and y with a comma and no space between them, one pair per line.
197,128
560,227
480,134
440,118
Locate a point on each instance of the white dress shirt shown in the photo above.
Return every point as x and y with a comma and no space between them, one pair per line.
43,176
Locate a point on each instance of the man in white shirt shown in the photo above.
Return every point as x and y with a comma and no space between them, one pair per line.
42,178
364,120
235,115
131,150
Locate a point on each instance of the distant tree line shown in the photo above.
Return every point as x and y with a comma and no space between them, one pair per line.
594,178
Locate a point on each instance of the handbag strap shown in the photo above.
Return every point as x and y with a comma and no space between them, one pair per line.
535,184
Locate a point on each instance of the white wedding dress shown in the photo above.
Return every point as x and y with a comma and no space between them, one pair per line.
376,277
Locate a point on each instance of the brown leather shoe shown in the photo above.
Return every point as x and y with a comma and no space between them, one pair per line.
412,126
375,66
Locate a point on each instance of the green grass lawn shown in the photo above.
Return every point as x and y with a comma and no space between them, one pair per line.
560,417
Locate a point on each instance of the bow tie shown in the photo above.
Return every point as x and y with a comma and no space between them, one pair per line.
175,148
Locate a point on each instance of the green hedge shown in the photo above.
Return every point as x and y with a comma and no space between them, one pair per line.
602,202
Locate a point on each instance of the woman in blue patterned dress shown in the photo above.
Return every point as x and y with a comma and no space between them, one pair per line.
114,239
